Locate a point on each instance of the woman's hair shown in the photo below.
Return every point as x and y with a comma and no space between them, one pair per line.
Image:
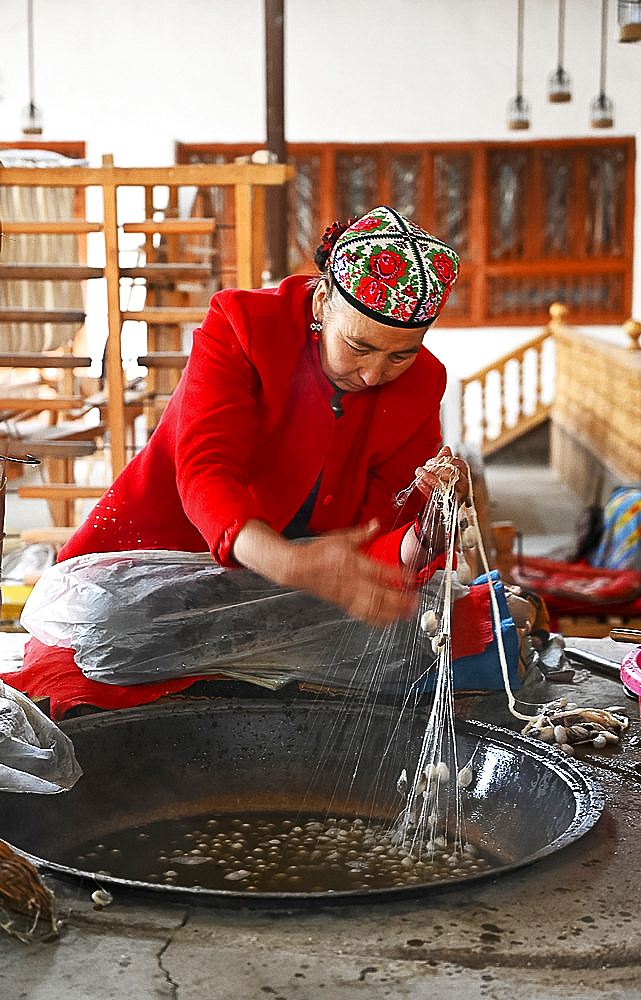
328,241
321,259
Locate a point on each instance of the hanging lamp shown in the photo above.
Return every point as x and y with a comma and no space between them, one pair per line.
629,18
601,107
559,84
31,115
518,109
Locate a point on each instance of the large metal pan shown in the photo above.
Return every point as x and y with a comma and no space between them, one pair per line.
185,759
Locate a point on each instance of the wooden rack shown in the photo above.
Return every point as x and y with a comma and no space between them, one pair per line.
248,183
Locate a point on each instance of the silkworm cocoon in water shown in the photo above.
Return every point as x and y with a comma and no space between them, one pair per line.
442,771
102,897
429,622
438,642
468,537
465,776
421,784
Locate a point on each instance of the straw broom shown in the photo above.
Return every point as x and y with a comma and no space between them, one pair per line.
22,892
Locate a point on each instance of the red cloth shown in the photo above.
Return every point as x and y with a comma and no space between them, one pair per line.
50,671
472,623
249,429
579,587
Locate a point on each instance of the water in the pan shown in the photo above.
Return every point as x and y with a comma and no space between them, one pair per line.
274,853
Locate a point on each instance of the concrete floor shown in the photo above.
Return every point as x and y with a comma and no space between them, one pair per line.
565,927
543,510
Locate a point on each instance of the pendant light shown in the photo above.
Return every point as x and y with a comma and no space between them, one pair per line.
518,110
31,116
601,107
629,17
559,86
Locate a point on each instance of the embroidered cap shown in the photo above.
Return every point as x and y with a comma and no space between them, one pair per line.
392,270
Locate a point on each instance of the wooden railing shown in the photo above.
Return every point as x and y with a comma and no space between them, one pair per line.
596,420
513,394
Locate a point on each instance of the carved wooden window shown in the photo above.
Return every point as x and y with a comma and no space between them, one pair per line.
534,222
406,183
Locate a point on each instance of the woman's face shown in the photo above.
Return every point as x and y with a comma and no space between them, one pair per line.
358,353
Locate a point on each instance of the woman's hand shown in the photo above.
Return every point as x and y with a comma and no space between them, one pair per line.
439,472
435,475
332,567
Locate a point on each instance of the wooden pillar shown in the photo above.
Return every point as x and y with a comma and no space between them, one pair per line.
113,356
244,236
503,533
276,200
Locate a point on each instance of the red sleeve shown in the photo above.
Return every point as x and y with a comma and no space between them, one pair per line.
216,432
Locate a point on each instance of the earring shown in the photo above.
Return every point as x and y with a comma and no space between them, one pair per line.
316,328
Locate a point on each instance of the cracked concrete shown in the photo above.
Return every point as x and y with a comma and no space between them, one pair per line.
564,927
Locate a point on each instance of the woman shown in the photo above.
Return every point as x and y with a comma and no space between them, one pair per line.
303,410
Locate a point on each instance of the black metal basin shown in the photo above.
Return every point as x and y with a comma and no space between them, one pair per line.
186,759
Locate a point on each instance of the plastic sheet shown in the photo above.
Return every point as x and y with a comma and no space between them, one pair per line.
142,616
35,755
145,616
26,561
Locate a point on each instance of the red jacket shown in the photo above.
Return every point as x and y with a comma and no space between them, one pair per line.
246,434
249,429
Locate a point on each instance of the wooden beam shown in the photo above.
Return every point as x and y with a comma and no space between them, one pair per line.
181,271
163,359
30,227
171,226
73,316
61,491
44,361
179,175
167,314
38,404
49,272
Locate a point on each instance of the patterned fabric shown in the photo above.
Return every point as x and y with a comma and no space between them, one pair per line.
620,545
393,271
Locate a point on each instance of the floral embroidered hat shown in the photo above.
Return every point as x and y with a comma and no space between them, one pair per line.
392,270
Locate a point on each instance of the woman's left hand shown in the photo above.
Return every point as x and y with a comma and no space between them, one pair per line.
439,472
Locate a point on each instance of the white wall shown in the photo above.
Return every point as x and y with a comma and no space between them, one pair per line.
132,76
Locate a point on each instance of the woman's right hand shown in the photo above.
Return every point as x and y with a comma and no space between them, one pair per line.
332,567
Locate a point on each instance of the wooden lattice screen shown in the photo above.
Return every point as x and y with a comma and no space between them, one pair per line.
535,222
